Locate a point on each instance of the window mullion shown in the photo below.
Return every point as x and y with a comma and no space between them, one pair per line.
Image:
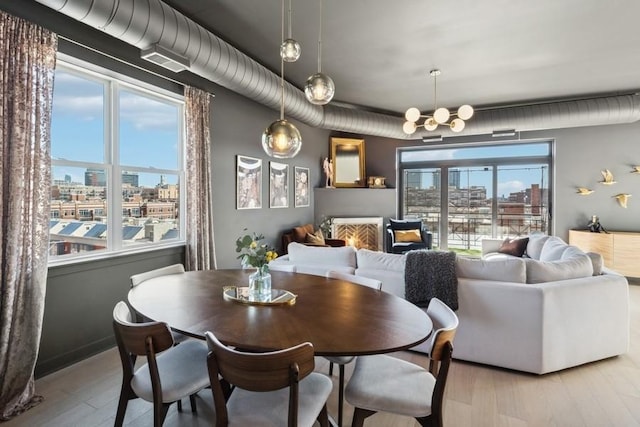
115,175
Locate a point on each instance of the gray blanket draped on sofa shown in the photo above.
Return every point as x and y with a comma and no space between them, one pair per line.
431,274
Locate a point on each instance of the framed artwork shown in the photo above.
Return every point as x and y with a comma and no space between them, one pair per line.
278,185
248,183
301,187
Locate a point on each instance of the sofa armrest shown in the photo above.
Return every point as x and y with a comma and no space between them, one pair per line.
427,237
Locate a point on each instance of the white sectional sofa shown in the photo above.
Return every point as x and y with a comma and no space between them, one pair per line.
568,317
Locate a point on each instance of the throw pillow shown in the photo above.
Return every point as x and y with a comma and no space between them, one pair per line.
515,247
407,236
316,238
300,233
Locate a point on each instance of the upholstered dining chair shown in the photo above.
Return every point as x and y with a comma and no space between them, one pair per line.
137,279
277,388
170,374
341,361
388,384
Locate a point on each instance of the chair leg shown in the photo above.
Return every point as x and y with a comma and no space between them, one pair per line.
340,394
159,413
192,400
122,408
359,415
180,405
330,369
323,417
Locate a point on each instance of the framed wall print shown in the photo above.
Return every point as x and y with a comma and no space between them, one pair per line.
278,185
301,187
248,183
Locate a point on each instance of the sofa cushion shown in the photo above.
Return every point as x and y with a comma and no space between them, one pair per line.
515,247
508,269
552,249
572,267
318,255
534,247
373,260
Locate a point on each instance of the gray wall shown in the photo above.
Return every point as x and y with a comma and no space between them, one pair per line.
236,128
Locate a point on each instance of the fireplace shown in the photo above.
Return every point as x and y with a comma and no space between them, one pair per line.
362,233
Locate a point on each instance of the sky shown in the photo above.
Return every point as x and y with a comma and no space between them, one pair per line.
148,133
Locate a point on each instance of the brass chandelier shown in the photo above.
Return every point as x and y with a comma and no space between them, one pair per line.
440,116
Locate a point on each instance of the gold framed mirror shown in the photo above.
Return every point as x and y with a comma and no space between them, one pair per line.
347,155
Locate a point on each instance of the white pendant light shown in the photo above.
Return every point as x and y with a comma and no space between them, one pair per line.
440,115
290,49
319,88
281,139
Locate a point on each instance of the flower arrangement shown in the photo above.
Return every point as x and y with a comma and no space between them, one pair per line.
253,253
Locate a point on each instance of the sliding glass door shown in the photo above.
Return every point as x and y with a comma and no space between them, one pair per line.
466,194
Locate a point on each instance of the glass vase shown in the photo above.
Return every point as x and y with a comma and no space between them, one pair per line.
260,285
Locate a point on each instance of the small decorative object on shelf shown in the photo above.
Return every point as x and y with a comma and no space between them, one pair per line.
594,225
255,254
326,224
377,182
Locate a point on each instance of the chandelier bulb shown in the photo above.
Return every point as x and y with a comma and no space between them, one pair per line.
290,50
441,115
412,114
430,124
409,127
465,112
457,125
282,140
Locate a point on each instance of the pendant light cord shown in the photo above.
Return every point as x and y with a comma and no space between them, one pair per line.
289,18
320,41
435,92
282,67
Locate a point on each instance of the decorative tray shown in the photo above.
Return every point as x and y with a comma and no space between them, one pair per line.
241,294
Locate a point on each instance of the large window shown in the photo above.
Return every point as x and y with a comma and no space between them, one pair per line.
467,193
116,164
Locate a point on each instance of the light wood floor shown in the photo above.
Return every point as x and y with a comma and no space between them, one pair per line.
605,393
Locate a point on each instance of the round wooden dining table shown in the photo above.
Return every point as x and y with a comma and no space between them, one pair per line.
336,316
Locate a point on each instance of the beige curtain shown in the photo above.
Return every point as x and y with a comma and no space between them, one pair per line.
200,247
27,62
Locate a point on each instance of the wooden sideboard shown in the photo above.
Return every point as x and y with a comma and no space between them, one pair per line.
620,250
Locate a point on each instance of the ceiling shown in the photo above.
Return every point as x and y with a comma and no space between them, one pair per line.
491,53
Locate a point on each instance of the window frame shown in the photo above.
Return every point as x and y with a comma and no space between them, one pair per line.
113,82
494,162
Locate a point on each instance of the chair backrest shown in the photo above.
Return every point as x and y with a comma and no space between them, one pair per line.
445,324
360,280
136,279
139,338
259,372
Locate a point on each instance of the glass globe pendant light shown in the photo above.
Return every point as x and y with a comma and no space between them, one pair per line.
290,49
281,139
319,88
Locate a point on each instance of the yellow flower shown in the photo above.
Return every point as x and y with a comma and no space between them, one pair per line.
253,245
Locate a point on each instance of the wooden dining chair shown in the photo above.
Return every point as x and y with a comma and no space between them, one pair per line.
383,383
170,374
341,361
277,388
137,279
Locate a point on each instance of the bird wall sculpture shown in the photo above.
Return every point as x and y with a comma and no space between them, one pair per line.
607,177
622,199
636,169
584,191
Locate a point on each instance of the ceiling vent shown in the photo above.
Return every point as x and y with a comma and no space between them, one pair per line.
165,58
